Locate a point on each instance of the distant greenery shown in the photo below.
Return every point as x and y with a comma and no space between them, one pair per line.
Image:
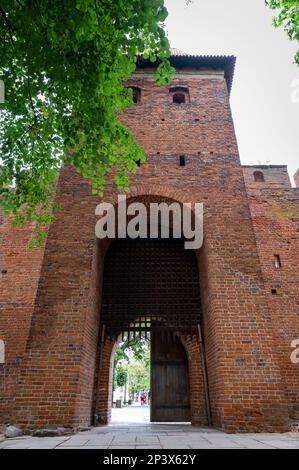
138,377
287,17
120,376
132,363
133,347
63,64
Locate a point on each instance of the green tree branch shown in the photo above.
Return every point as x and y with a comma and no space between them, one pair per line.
287,17
66,109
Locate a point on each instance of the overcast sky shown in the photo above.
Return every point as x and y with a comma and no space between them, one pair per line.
263,99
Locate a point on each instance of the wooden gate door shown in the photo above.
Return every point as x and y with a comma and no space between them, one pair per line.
170,400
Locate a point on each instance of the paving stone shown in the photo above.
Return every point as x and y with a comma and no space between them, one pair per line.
76,441
14,442
148,447
279,444
121,447
106,441
223,441
84,447
147,439
176,437
124,439
43,446
200,445
173,444
15,447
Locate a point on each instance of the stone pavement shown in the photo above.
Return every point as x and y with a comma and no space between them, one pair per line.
156,436
131,414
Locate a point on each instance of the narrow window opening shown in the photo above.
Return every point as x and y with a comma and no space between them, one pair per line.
182,160
136,94
258,176
179,98
180,95
277,261
273,291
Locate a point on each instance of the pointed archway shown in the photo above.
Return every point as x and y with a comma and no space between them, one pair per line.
152,285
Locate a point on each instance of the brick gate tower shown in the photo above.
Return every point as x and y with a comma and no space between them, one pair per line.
241,376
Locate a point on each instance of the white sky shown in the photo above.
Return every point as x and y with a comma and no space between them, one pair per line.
265,115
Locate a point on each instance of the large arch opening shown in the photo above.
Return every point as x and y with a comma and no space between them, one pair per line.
151,286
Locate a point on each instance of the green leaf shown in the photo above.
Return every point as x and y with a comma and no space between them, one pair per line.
64,69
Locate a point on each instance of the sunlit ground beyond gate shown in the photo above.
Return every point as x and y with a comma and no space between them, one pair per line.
131,414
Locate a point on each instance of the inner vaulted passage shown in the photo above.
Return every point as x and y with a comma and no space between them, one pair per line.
152,285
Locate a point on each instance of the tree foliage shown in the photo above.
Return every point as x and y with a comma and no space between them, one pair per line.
133,357
63,64
132,347
138,377
120,376
287,17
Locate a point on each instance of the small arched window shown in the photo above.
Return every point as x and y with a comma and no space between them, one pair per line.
136,94
179,95
179,98
258,176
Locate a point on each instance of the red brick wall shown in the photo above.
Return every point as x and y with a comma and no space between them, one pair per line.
247,392
198,399
19,275
274,208
57,377
103,391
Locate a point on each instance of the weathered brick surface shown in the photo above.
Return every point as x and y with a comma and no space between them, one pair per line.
246,328
19,276
274,207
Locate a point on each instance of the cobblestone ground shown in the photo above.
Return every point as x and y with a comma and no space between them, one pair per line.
155,436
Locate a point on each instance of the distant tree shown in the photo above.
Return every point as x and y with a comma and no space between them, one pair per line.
120,376
133,357
138,377
133,347
288,17
63,64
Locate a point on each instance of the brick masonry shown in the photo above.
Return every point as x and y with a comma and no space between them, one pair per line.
274,207
50,299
